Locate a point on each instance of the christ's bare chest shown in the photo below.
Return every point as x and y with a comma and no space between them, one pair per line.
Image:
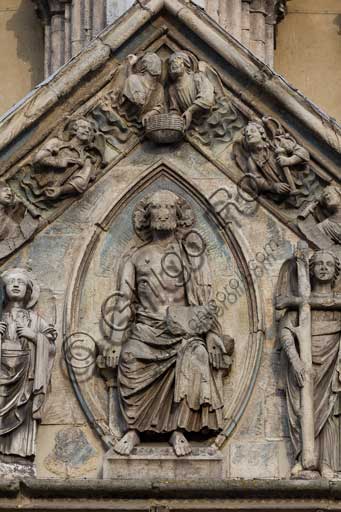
160,275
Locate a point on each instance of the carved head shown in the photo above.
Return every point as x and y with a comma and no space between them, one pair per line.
6,194
82,129
179,63
254,134
19,286
151,63
331,198
162,211
324,267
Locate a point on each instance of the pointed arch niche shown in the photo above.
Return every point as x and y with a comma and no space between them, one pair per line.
94,280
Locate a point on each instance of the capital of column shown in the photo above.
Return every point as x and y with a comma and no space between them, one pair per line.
276,11
48,8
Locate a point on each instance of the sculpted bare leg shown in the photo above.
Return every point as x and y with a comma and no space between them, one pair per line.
180,444
128,442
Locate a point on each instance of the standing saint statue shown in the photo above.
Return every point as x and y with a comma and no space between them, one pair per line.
174,356
324,367
27,351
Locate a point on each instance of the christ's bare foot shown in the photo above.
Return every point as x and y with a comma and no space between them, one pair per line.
128,442
297,469
180,444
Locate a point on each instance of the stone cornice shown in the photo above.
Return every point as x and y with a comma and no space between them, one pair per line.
125,495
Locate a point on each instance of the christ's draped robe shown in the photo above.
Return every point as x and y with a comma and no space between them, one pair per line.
165,381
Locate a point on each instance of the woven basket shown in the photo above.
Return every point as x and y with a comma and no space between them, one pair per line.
165,128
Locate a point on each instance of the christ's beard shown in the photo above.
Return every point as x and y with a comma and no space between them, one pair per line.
163,225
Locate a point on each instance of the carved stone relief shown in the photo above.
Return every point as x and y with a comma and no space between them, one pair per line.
274,164
18,220
65,165
320,221
139,279
27,350
171,360
160,338
309,334
166,99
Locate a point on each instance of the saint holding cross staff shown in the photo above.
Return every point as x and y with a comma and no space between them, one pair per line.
310,333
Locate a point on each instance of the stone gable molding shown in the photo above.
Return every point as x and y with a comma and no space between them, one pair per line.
272,86
73,91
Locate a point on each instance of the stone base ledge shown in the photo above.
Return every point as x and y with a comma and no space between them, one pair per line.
169,496
162,463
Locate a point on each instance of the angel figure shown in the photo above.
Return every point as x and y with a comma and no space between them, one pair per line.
196,92
137,92
274,165
191,93
320,220
65,165
27,351
310,334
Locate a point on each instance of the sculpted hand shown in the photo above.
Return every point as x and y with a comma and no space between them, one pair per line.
3,327
110,357
53,192
188,116
146,117
281,188
132,59
65,162
298,371
283,302
283,161
216,350
27,332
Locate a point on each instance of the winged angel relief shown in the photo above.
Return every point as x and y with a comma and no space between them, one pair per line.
168,99
275,164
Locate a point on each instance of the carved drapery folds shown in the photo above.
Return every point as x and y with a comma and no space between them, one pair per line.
166,99
275,165
65,165
174,355
18,220
27,350
309,334
320,221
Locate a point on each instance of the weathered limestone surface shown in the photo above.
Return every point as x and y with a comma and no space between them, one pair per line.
113,188
149,463
69,25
